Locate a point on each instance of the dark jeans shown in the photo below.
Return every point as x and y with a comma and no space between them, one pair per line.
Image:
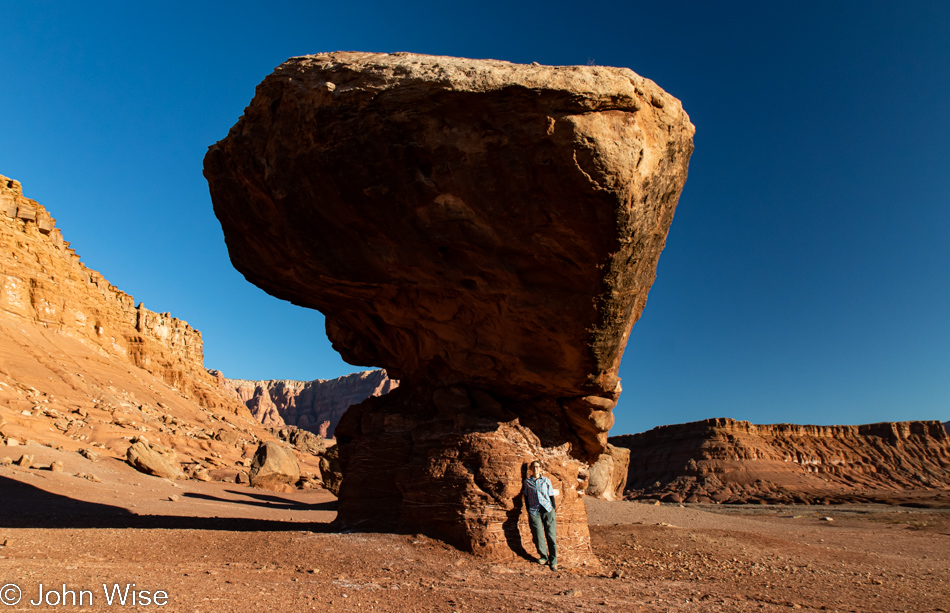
544,531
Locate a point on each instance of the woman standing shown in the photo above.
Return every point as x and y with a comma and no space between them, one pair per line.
539,496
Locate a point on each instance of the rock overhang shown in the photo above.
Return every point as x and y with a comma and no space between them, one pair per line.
462,220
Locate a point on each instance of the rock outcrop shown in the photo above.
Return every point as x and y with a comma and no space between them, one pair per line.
43,281
156,460
729,461
608,475
274,468
82,368
485,231
307,404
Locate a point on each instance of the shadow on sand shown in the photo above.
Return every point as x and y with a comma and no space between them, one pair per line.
269,501
26,506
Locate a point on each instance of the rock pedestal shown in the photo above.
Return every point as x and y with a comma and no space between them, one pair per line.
485,231
450,462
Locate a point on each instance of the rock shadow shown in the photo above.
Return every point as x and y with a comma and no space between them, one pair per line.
267,501
511,526
26,506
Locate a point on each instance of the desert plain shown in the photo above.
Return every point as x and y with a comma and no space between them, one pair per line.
218,547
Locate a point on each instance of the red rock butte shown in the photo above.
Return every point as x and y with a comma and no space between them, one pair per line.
487,232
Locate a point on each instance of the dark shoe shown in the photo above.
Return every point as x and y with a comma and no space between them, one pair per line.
542,560
554,566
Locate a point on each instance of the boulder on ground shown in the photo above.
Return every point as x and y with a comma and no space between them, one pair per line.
153,459
608,475
274,468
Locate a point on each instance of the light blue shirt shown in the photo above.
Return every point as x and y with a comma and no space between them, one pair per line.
538,493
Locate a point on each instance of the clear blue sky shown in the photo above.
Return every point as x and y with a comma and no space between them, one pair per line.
806,277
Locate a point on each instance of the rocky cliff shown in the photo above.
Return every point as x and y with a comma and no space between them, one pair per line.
82,367
488,233
724,460
316,406
43,281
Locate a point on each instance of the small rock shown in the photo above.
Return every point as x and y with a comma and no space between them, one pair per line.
242,478
656,503
12,442
173,497
56,467
89,454
576,593
827,519
6,461
25,461
27,413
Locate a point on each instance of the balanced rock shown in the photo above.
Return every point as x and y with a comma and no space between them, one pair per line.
274,468
153,459
488,233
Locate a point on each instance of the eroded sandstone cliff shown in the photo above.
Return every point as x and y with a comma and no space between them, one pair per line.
83,368
724,460
43,281
485,231
315,405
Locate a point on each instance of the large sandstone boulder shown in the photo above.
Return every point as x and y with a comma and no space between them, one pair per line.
274,467
485,231
608,475
153,459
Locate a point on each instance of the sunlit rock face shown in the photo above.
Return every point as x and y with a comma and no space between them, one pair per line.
727,461
485,231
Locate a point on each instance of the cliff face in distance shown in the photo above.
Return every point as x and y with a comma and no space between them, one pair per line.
724,460
83,367
307,405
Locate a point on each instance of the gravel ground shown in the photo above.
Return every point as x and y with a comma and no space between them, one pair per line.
217,547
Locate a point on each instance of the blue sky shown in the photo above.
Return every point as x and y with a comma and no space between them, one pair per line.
806,278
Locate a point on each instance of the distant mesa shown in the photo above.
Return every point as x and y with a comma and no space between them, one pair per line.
315,406
487,232
728,461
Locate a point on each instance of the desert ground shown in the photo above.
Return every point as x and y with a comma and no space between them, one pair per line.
218,547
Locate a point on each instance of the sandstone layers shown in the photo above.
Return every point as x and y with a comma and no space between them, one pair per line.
84,369
724,460
315,406
485,231
42,281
